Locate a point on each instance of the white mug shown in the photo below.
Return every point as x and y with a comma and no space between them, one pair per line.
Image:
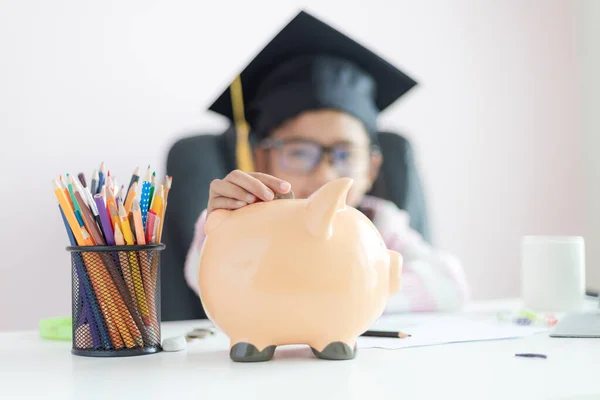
553,273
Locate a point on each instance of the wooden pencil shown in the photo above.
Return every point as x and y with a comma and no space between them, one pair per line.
101,177
125,268
81,177
133,263
152,189
135,177
114,215
94,185
126,305
110,198
147,279
167,186
131,195
109,309
90,223
69,214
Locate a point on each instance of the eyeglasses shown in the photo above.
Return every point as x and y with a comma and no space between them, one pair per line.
303,156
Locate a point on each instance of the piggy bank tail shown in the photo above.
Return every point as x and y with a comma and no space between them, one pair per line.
395,272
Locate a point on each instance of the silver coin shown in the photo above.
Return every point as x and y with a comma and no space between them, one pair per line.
288,195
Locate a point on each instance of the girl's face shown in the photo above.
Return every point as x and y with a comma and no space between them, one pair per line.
318,146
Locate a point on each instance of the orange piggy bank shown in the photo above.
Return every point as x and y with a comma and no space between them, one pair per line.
296,271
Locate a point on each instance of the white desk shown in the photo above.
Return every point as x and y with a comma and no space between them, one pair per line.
34,368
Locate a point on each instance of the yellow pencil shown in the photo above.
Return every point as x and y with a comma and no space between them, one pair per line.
114,214
157,203
131,197
157,207
144,263
133,263
167,185
125,269
70,215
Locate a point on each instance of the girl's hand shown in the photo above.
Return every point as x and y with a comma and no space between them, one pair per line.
239,189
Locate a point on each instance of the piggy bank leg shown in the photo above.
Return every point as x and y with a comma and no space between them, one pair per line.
246,352
336,351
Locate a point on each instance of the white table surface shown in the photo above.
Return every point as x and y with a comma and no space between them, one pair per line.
31,367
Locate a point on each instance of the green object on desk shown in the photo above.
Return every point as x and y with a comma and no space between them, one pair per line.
56,328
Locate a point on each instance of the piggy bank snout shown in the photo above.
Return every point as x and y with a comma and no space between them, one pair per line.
395,271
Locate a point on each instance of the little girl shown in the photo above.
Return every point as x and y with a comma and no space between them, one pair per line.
312,98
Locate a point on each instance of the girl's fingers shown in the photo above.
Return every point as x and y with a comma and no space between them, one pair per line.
222,188
275,184
225,203
250,184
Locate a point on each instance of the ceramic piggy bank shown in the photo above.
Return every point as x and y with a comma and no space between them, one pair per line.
296,271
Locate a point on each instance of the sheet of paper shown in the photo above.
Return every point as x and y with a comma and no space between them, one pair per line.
442,330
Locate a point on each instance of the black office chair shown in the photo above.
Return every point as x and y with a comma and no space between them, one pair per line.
195,161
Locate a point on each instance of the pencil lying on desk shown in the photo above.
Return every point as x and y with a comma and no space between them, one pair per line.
387,334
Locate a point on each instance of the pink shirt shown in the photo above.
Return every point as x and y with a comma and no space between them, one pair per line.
432,280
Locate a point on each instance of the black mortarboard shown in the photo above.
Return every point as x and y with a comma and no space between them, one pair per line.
310,65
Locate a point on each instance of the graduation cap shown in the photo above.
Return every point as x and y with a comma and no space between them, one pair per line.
308,65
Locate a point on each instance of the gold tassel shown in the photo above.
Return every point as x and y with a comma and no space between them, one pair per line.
243,151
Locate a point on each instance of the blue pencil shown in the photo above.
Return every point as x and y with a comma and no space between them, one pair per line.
145,196
89,299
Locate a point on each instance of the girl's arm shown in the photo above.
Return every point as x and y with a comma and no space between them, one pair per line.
432,279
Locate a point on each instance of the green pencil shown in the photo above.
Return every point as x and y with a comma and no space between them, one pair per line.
152,190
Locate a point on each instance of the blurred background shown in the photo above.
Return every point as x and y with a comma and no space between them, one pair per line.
503,122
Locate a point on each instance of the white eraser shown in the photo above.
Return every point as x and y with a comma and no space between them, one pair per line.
177,343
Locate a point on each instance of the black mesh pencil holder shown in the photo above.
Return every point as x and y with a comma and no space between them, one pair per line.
116,300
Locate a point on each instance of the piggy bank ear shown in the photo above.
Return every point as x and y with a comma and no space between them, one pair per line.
324,204
215,219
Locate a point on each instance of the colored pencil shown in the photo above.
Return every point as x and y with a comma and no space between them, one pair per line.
133,263
144,263
104,221
125,267
115,186
81,177
110,198
131,197
151,227
167,186
126,305
94,186
76,206
90,223
135,177
96,323
101,176
114,215
76,228
152,189
145,196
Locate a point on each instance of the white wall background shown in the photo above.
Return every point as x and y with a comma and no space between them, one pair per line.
495,121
